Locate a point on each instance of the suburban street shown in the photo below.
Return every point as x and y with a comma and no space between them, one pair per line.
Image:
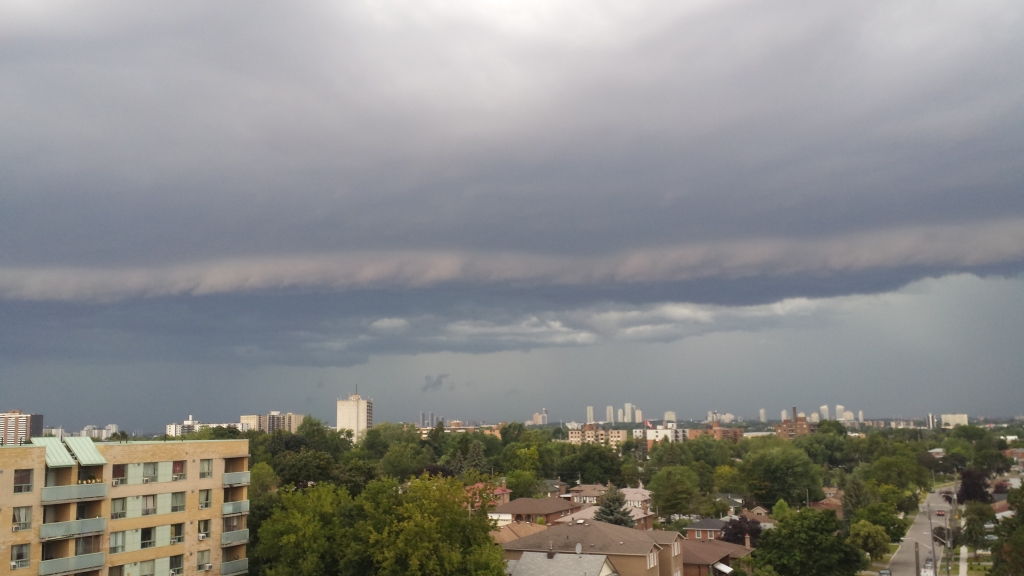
902,563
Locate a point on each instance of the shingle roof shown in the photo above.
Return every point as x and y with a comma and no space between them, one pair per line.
707,524
588,514
596,538
536,506
702,552
538,564
515,531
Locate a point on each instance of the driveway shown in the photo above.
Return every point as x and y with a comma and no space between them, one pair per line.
902,563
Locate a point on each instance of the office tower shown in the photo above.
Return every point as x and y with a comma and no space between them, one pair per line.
639,416
433,420
609,414
824,412
762,416
860,416
124,509
422,423
590,414
17,427
620,415
355,414
670,416
628,412
784,417
840,411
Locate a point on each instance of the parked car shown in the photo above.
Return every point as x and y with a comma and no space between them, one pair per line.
940,513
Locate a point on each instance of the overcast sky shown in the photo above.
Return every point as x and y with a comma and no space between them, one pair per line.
485,208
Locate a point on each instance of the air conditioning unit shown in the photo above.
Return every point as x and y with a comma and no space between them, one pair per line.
15,528
208,566
145,480
14,565
202,536
116,482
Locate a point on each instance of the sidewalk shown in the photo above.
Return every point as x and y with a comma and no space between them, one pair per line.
963,561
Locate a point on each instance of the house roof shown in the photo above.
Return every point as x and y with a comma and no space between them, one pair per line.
707,524
536,506
702,553
588,514
756,517
84,449
734,550
538,564
583,487
515,531
829,504
57,456
595,537
636,494
665,537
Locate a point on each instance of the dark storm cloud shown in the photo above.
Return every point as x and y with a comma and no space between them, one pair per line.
432,383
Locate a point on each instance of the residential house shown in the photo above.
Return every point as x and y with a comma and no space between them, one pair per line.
630,552
553,488
586,493
637,497
552,564
515,531
829,504
500,494
758,514
643,517
534,509
706,529
710,557
833,492
733,501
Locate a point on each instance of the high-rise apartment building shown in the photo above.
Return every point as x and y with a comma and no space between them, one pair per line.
840,412
670,416
824,412
628,412
17,427
931,421
590,414
784,416
860,416
76,506
355,414
639,415
609,414
620,415
814,417
762,416
273,422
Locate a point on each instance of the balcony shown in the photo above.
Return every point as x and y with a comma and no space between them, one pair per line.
71,564
236,478
58,530
238,507
240,566
235,537
74,493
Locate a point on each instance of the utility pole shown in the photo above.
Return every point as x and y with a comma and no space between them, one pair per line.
931,536
917,560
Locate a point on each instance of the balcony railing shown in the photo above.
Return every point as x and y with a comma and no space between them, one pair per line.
236,478
71,564
57,530
237,507
73,492
148,511
239,566
234,537
20,526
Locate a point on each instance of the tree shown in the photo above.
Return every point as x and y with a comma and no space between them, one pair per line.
305,468
675,490
512,432
308,535
804,542
522,483
737,530
832,427
262,480
320,437
855,497
403,460
611,508
976,514
591,464
870,538
729,479
1008,549
973,487
781,472
781,510
884,515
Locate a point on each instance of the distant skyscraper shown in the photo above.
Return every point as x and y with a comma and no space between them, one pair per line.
840,411
814,417
711,415
628,412
544,416
639,416
620,414
355,414
609,414
423,420
670,416
824,412
763,417
784,417
848,416
931,421
860,416
590,414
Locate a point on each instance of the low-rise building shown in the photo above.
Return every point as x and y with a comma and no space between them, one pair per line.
531,510
547,564
705,529
954,420
710,557
586,493
790,429
716,431
642,517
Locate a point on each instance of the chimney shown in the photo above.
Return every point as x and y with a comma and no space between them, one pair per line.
746,540
551,549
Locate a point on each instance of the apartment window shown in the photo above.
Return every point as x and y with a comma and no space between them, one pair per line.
120,474
87,545
147,568
177,564
115,571
149,505
118,508
232,523
202,559
22,481
148,539
205,499
150,471
178,502
178,471
177,533
204,528
20,558
116,542
205,468
22,518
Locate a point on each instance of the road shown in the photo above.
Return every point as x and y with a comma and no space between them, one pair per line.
902,563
